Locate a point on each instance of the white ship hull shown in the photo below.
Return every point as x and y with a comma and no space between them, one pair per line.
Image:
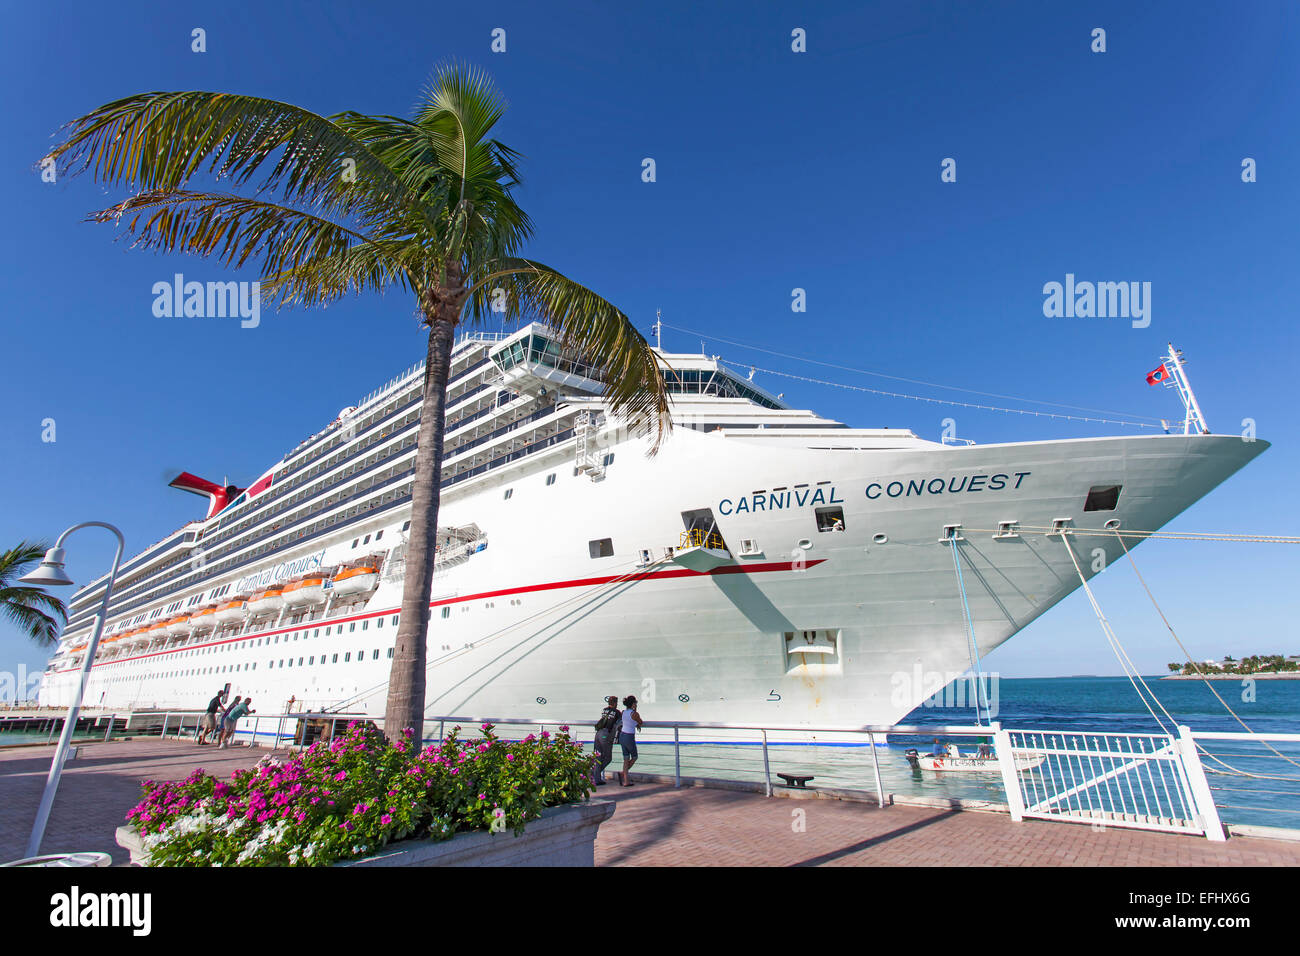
533,625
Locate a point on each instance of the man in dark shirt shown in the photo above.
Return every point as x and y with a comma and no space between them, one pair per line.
606,731
209,724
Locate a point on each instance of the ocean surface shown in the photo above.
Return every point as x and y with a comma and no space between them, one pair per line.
1082,704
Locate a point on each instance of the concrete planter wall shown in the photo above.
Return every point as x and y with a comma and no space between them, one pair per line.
562,836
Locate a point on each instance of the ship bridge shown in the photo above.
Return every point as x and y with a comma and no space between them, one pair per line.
533,360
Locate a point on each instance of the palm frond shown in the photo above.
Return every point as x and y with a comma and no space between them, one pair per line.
589,326
24,605
236,230
158,141
325,278
36,624
482,203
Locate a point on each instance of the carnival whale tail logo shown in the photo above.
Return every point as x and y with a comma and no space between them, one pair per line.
218,496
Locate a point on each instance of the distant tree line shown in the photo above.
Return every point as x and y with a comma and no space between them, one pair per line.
1254,664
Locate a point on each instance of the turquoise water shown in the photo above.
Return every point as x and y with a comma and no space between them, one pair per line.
1083,704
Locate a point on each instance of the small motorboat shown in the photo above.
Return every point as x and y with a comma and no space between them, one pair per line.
957,762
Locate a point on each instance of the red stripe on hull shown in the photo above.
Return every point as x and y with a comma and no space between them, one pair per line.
526,589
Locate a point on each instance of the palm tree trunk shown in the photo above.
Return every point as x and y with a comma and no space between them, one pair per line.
406,680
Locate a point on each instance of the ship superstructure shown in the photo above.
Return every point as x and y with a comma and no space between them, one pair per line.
767,565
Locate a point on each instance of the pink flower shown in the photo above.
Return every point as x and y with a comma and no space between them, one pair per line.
341,775
385,820
510,756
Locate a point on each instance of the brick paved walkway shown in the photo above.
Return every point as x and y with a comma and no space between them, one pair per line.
654,825
96,789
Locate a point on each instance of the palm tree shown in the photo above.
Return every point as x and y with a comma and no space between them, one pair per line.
351,203
37,614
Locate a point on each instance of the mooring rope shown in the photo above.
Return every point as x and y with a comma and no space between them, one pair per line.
1208,683
970,633
1121,655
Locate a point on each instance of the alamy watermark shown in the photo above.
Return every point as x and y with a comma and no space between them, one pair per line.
1102,300
212,300
20,687
956,689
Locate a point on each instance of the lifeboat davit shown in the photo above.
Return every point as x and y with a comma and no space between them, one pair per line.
272,599
356,580
179,625
307,590
231,611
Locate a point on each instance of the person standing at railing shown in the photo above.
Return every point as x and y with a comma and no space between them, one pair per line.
209,722
631,723
222,721
606,728
232,720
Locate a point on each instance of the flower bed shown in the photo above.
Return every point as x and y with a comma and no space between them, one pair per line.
351,796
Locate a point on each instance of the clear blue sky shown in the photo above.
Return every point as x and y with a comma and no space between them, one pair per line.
775,170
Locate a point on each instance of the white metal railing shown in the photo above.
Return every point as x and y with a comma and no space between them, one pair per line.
1265,766
1144,781
731,755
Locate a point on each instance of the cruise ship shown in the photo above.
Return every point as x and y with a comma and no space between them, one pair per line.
768,566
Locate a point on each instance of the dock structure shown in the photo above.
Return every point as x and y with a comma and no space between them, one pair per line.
656,824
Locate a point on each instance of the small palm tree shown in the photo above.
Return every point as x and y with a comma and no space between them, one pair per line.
37,614
351,203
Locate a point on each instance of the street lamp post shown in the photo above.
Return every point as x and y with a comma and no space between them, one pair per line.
51,573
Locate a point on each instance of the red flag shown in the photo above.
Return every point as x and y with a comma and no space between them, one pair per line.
1157,376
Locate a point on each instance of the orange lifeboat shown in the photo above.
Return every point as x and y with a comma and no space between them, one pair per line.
309,589
179,625
364,577
232,611
204,619
270,599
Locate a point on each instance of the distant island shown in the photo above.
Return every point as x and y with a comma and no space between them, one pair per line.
1271,666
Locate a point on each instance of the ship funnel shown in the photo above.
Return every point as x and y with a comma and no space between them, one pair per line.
217,495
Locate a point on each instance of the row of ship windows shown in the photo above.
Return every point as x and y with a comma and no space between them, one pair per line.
237,668
285,540
276,504
303,634
410,402
550,479
413,393
261,515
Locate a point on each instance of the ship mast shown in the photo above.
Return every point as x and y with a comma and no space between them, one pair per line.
1174,362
